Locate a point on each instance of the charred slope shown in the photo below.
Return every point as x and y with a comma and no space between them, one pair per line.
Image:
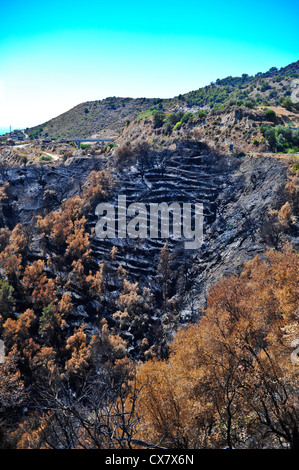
237,195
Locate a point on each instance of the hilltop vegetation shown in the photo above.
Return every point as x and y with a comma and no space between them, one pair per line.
107,117
267,89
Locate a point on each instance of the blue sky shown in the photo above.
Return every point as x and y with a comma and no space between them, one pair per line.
55,55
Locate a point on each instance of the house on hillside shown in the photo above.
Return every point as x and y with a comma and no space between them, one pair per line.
17,137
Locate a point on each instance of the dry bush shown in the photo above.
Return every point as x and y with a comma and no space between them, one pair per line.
124,155
284,215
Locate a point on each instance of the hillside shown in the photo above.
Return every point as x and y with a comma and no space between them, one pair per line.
139,340
232,129
105,118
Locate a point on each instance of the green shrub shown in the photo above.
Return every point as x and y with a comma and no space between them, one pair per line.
6,298
286,132
270,115
281,138
173,118
296,138
281,143
265,86
202,114
177,126
159,118
288,104
45,158
256,142
110,145
187,117
249,103
47,319
168,128
270,135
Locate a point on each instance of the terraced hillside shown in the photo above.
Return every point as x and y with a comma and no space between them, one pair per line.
170,179
237,194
